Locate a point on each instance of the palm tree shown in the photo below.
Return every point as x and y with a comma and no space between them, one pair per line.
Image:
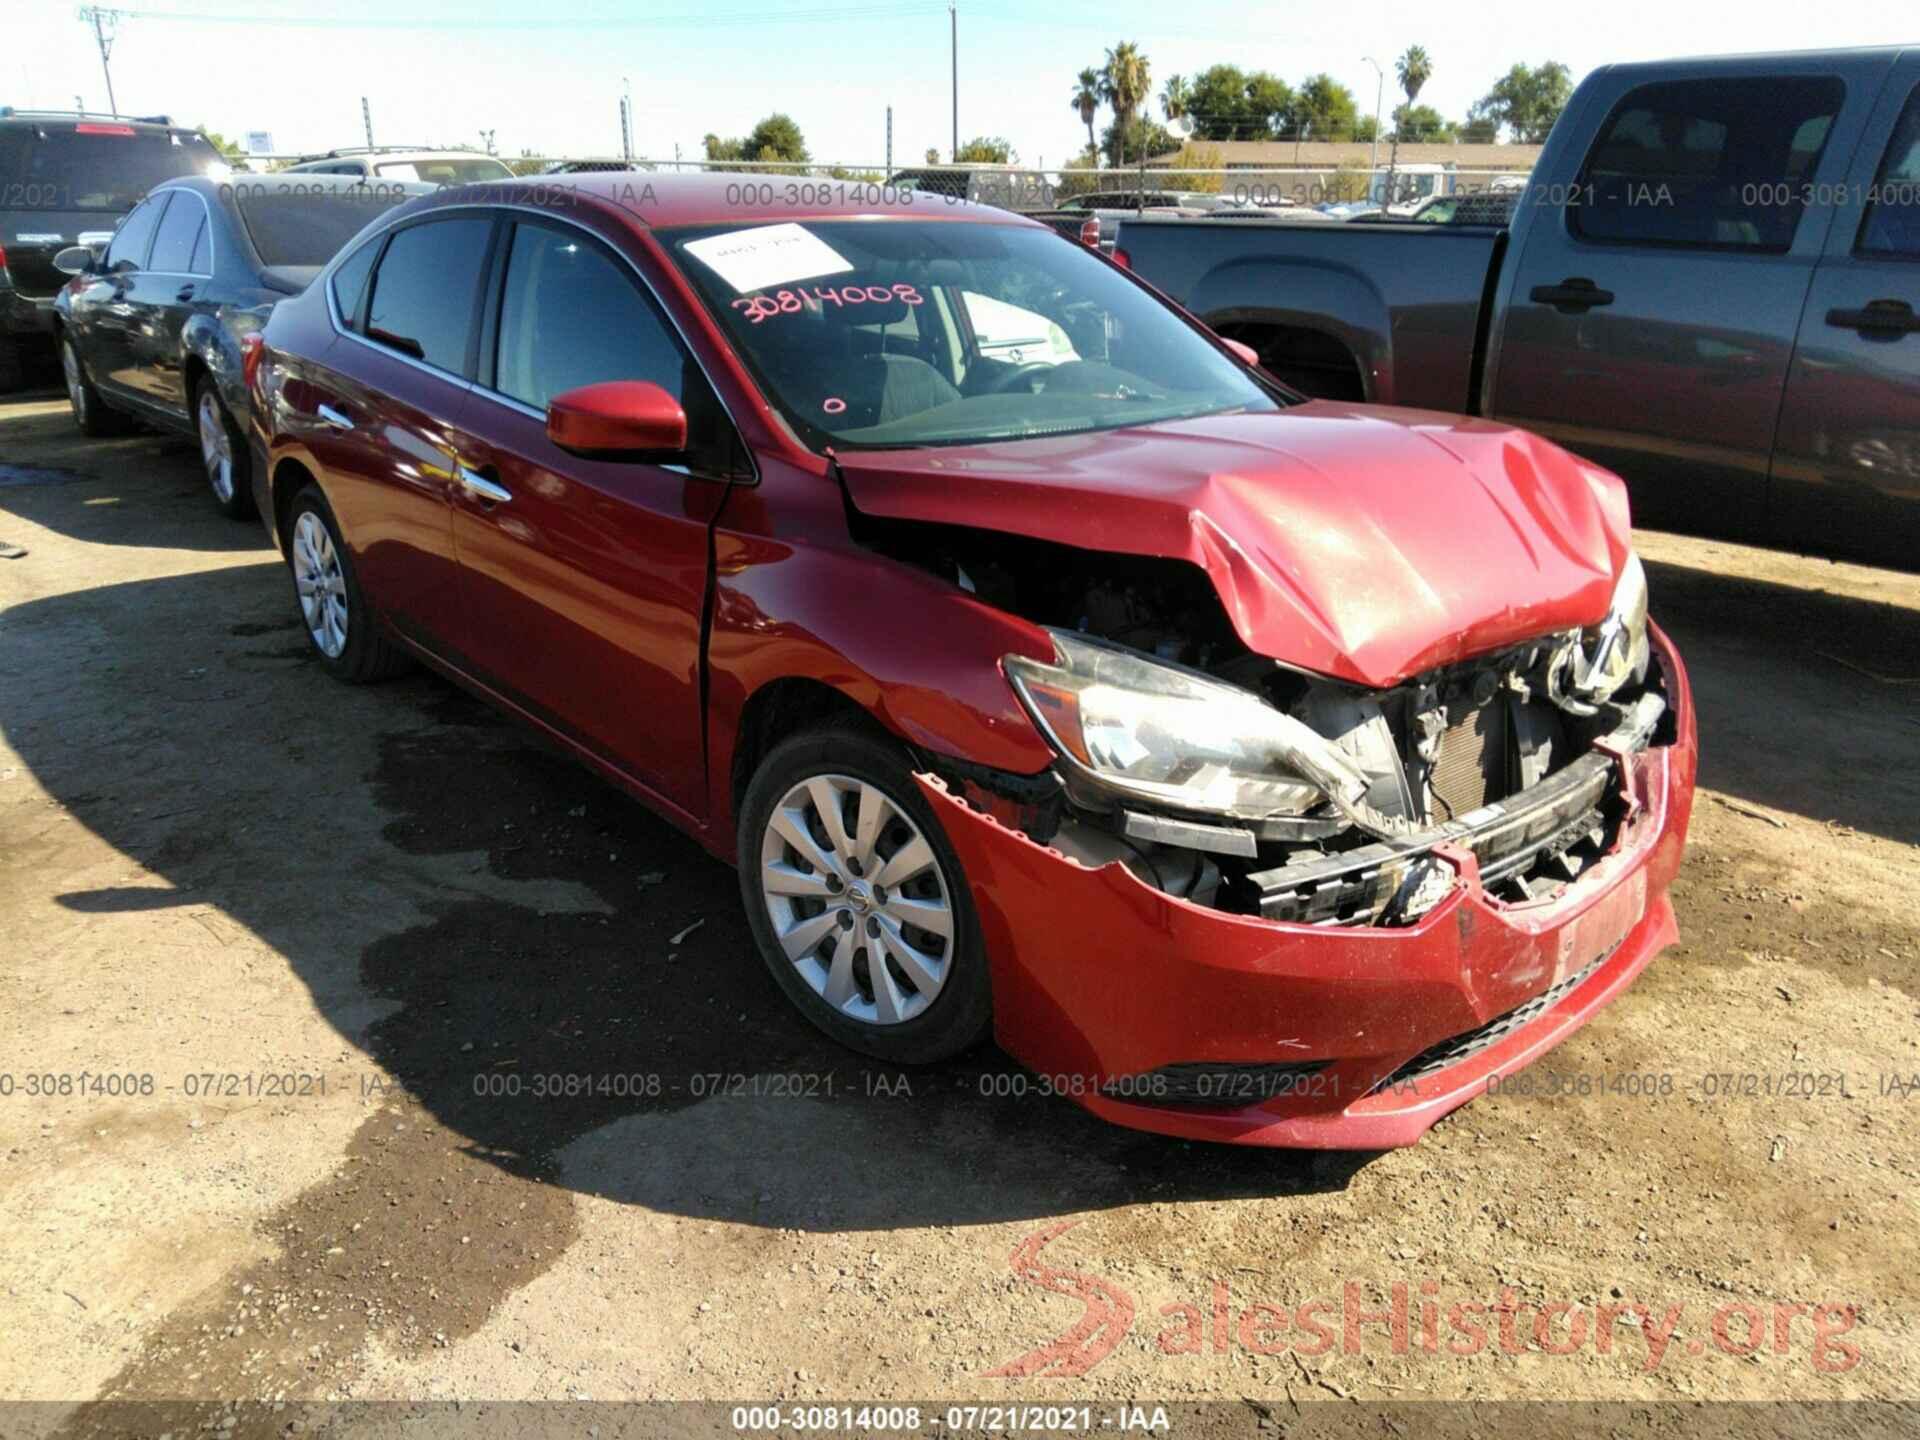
1174,96
1125,84
1086,99
1414,68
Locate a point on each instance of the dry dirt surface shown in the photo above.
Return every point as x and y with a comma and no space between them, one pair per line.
354,1047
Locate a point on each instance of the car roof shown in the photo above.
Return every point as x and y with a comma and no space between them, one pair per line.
290,180
663,201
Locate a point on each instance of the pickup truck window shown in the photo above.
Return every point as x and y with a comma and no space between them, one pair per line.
1720,164
1892,224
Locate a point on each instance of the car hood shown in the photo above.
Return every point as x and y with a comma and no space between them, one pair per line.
1358,542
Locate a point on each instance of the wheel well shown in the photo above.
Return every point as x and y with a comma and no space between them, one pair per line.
191,373
786,707
1311,361
290,477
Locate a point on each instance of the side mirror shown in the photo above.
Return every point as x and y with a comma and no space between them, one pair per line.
1248,355
74,260
634,419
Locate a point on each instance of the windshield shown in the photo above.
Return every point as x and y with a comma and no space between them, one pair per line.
295,224
104,165
445,172
892,333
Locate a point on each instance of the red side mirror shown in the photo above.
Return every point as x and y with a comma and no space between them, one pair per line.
617,417
1248,355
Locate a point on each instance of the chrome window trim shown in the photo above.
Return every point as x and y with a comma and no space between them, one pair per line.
212,242
473,386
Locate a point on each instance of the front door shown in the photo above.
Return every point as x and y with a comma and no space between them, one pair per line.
585,578
1846,476
1650,321
163,296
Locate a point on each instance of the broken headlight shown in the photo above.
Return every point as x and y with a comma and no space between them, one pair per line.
1160,733
1595,663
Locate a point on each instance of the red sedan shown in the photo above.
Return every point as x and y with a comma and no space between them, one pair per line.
1251,769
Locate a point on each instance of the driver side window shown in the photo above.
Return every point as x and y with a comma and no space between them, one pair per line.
135,236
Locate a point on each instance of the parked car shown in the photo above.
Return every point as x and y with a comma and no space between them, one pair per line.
1005,186
1712,287
66,178
392,163
151,325
1255,769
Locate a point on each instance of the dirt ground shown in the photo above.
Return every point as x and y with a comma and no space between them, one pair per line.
286,967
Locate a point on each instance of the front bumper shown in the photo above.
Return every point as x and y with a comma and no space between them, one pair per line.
1100,980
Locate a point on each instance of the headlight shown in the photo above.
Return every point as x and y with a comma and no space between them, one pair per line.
1175,738
1605,657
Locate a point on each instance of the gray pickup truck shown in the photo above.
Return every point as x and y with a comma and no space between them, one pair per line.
1710,286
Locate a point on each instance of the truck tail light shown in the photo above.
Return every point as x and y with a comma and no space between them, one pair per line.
1090,232
1120,258
3,265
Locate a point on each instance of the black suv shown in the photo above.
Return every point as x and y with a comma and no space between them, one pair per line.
66,179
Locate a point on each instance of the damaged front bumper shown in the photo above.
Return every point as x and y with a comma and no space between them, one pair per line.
1166,1015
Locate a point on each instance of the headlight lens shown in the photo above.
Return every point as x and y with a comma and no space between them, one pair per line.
1169,736
1605,657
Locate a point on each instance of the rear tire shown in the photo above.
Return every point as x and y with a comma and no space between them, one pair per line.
341,625
857,901
223,452
90,412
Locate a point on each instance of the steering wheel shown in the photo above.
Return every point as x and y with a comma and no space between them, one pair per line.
1020,375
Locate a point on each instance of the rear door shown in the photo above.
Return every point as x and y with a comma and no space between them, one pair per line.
379,413
586,577
1653,311
1846,473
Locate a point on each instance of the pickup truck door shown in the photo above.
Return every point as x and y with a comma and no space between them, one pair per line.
1847,467
1658,282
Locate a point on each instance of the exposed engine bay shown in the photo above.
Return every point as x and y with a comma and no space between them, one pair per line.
1508,755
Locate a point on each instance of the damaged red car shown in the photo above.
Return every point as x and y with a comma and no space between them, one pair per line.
1251,769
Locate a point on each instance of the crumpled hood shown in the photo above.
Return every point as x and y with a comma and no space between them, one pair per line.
1356,541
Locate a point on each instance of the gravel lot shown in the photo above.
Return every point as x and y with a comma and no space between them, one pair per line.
306,942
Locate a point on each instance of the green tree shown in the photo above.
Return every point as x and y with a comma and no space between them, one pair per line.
1477,128
1526,101
1421,125
1125,84
1270,101
987,150
777,138
1414,68
1086,101
226,147
1142,140
1174,97
1070,185
1323,109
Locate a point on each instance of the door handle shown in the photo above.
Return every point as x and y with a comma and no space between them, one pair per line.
1888,318
1571,295
330,416
184,294
481,488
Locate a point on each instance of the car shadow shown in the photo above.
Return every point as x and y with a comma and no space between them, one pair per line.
131,486
628,1044
1806,698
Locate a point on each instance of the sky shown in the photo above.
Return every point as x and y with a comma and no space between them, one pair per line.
437,72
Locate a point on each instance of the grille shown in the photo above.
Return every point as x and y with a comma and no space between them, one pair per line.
1452,1051
1221,1084
1473,759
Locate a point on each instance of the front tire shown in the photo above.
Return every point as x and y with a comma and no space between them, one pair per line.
90,412
223,452
341,625
857,901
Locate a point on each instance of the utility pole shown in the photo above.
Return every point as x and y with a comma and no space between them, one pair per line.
104,23
889,139
626,119
366,119
1379,93
953,25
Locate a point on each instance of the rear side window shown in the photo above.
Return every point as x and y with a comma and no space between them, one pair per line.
1892,224
350,282
1711,163
131,240
179,233
423,291
307,224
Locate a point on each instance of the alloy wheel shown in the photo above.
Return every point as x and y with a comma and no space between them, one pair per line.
858,899
321,583
216,447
